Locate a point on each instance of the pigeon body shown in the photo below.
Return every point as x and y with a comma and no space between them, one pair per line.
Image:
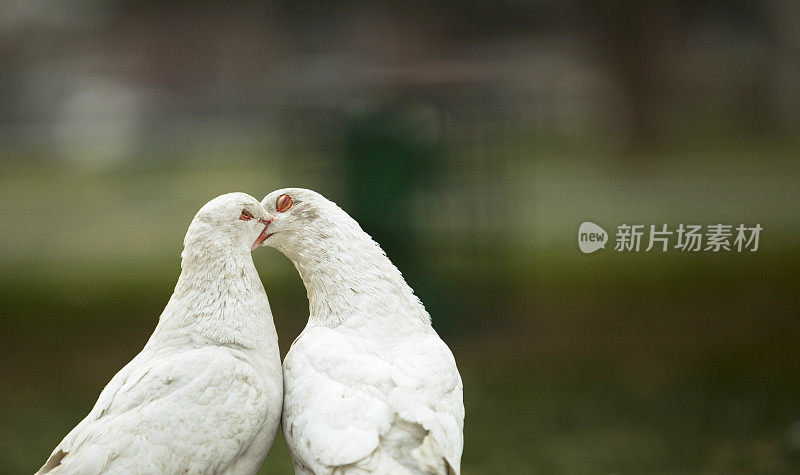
205,393
369,385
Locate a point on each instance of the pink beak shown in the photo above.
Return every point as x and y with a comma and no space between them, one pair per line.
264,235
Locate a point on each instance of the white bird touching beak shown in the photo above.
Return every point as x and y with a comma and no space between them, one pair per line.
205,393
369,385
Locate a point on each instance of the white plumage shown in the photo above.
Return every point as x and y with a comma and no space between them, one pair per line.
204,395
369,385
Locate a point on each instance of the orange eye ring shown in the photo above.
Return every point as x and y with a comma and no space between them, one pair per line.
246,215
283,203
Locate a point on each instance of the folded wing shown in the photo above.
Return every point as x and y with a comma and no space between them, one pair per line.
355,407
193,410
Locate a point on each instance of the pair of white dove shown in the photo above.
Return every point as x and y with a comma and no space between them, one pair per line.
367,387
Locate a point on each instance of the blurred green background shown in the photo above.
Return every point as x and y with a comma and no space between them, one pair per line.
471,139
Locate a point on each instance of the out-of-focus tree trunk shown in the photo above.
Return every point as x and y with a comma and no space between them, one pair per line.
631,37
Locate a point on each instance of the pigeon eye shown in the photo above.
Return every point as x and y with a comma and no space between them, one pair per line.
246,215
283,203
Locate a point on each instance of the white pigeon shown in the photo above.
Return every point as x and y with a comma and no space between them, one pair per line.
205,393
369,385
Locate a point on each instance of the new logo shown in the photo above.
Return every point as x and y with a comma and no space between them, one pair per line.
591,237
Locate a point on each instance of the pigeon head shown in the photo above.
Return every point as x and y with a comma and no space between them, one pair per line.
302,214
230,221
342,267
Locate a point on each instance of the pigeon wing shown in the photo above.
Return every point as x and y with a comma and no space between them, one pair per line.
168,413
353,405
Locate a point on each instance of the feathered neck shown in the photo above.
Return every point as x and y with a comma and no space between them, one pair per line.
347,274
219,298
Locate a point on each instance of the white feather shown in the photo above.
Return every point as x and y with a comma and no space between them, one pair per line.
369,385
204,395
